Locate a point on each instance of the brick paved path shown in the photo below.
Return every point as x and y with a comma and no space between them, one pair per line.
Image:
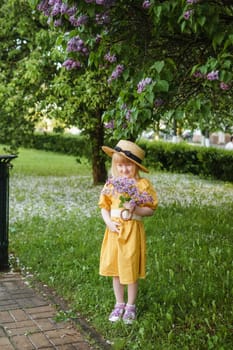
27,320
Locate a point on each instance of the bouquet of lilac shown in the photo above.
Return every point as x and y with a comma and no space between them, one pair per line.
130,196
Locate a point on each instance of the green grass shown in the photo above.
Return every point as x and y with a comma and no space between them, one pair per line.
185,302
41,163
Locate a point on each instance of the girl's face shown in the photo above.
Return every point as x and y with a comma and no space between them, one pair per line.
124,167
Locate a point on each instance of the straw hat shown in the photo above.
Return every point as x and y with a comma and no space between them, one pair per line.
128,150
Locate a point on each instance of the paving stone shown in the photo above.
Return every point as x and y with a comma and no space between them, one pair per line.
46,324
27,320
2,332
63,336
5,344
39,340
5,317
19,315
21,342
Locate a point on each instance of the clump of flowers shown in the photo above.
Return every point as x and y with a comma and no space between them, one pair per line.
77,22
110,58
76,44
214,75
129,193
142,84
116,73
188,14
127,111
71,64
146,4
102,18
109,125
224,86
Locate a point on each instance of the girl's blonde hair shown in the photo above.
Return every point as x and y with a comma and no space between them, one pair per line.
116,158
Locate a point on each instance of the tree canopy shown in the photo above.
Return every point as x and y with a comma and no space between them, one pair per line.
157,59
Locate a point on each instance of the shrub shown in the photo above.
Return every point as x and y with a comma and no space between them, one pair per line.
76,145
184,158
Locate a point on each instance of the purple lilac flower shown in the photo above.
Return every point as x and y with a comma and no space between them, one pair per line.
56,10
43,6
102,18
188,14
89,1
76,44
192,1
45,11
76,22
127,188
198,74
224,86
128,114
142,84
146,4
109,125
64,8
71,11
71,64
116,73
52,2
110,58
100,2
213,75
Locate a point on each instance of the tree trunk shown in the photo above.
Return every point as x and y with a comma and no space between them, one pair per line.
99,171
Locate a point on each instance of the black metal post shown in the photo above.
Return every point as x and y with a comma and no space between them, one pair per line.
4,210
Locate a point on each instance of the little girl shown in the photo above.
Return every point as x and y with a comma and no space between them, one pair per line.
124,200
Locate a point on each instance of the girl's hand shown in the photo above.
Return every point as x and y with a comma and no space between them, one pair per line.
114,226
129,206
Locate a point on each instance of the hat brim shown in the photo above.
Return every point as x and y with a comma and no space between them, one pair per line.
109,151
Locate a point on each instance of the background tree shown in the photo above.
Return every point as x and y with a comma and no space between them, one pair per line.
25,69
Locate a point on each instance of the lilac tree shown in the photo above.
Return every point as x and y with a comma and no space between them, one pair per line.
159,58
125,65
26,67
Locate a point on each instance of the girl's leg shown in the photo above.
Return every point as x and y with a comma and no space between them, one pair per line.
119,308
130,309
132,293
118,290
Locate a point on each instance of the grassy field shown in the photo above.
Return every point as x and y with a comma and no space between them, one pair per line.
186,300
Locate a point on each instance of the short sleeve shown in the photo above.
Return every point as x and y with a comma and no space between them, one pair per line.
145,185
105,199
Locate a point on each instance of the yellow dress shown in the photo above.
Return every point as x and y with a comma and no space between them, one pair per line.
124,254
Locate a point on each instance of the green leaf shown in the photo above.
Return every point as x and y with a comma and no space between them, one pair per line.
217,39
150,97
162,85
201,20
158,65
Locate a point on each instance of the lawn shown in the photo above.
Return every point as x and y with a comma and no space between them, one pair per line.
185,302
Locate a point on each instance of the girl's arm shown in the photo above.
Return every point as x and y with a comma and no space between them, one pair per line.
143,211
112,225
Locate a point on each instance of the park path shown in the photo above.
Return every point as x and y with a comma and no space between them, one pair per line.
27,320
